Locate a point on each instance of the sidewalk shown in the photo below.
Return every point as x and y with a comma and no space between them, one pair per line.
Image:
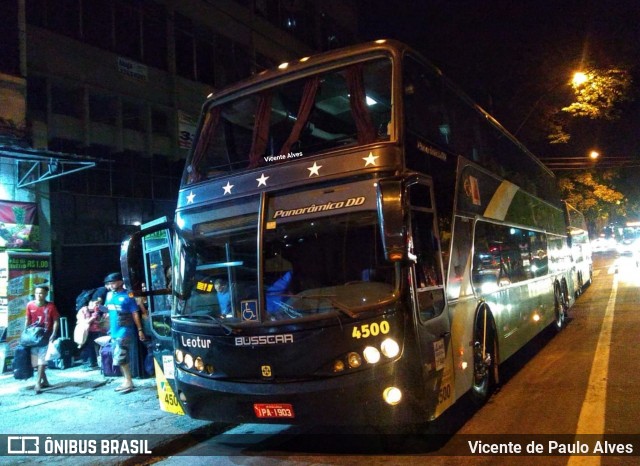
81,402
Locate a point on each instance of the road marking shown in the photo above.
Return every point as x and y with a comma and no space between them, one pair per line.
591,419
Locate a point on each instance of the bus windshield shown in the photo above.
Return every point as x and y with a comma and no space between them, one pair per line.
344,107
312,267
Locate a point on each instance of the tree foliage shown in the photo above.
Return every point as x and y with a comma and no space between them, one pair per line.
592,193
597,97
600,93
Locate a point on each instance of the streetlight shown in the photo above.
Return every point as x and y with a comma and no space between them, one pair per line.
589,161
571,163
579,78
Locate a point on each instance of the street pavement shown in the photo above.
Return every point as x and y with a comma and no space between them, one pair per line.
84,402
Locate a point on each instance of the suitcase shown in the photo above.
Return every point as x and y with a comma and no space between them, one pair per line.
106,362
22,368
66,348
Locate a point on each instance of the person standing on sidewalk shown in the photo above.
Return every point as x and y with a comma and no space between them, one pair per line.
44,314
125,325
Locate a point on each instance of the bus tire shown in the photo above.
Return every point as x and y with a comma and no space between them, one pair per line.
561,307
485,356
580,286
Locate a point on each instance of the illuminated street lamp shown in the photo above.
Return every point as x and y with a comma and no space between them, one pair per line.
579,78
588,162
571,163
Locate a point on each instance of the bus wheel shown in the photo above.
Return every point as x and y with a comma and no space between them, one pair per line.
485,357
561,307
580,284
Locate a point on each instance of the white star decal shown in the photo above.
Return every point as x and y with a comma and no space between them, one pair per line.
262,181
314,170
371,159
190,198
227,188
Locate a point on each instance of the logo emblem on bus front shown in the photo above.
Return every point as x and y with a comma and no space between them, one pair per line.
266,371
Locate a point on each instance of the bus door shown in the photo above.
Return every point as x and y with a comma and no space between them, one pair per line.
151,279
427,293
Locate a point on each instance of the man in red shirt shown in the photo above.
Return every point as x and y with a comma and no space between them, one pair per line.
43,314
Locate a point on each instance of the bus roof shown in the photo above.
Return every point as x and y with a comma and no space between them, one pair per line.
308,65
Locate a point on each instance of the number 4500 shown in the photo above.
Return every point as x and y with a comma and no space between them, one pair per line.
370,330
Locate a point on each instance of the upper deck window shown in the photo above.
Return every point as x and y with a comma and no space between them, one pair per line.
343,107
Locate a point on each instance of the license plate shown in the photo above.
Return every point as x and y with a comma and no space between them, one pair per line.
273,410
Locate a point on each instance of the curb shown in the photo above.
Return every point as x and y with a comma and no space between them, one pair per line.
177,444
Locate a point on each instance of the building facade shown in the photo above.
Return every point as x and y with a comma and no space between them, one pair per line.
100,100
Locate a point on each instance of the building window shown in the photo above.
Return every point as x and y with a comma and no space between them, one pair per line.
63,17
37,97
133,116
66,100
234,61
97,23
98,182
204,56
127,30
103,109
141,165
185,65
160,122
36,11
122,174
154,35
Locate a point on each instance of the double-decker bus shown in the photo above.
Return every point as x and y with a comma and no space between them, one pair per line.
581,251
355,242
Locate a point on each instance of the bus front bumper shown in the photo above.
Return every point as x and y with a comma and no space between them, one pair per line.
351,399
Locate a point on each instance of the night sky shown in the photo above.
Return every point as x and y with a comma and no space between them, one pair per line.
514,57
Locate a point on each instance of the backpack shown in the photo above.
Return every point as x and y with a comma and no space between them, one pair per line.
90,294
84,297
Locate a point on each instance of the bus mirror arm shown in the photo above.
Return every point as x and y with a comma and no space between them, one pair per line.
390,204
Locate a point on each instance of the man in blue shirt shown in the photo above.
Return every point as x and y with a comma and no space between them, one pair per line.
125,324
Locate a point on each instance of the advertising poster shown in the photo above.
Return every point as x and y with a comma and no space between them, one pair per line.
24,271
186,128
19,225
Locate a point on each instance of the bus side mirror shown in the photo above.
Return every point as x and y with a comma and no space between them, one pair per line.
393,230
132,257
132,263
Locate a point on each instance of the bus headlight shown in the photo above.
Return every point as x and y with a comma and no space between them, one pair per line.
188,361
179,356
392,395
371,355
354,360
338,365
390,348
199,364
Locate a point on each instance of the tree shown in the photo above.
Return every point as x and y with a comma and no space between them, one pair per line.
598,93
593,194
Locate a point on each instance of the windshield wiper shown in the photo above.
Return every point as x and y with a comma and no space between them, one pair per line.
288,309
339,306
217,320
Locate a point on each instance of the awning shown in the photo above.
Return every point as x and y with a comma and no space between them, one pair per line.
36,165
